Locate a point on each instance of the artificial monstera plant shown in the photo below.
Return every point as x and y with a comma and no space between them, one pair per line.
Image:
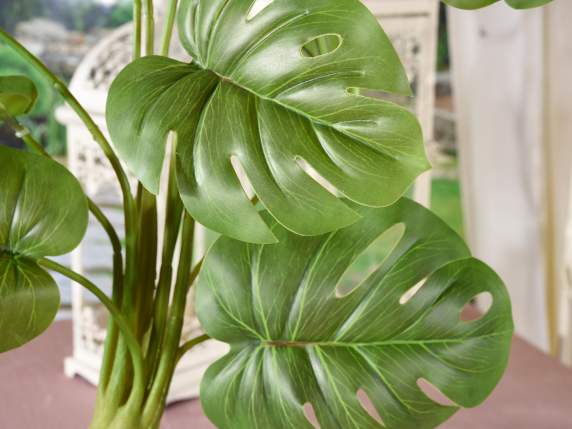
272,97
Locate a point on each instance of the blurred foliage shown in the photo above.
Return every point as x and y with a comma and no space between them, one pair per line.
41,120
446,202
76,15
443,60
14,11
120,13
85,15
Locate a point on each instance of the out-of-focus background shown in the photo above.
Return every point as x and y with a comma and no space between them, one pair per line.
61,33
494,97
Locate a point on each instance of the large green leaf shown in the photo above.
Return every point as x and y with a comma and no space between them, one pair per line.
43,212
17,95
477,4
294,340
259,94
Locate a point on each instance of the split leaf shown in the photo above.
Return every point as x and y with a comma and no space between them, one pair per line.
271,92
295,341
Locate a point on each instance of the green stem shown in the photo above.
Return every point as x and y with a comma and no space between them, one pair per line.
169,25
139,274
117,369
134,349
173,216
149,27
142,295
190,344
155,402
112,331
137,32
195,272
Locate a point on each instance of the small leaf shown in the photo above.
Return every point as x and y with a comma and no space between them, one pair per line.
294,341
43,212
477,4
271,91
29,301
17,95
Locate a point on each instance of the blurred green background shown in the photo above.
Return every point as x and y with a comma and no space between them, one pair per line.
75,15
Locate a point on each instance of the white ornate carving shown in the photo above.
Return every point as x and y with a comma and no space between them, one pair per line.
92,329
412,24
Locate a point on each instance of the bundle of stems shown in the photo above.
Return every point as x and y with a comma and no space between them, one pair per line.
148,304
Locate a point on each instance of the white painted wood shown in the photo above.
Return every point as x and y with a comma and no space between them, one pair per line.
511,74
412,24
498,73
567,295
558,34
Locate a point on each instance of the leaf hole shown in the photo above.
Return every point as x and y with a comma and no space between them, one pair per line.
477,307
434,393
313,173
242,177
370,260
310,414
257,7
408,296
367,405
320,46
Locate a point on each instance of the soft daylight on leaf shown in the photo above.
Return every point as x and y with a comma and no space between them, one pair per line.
43,212
295,342
273,90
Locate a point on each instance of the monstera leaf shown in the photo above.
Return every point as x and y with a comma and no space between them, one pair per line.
296,339
477,4
272,92
17,95
43,212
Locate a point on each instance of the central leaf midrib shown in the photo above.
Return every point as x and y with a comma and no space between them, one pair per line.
388,343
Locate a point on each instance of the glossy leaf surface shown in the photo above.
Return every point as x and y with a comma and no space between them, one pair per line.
271,93
43,212
295,341
17,95
477,4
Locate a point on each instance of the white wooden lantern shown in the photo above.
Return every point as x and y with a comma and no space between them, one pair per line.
411,24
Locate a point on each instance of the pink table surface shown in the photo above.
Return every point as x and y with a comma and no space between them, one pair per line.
535,393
